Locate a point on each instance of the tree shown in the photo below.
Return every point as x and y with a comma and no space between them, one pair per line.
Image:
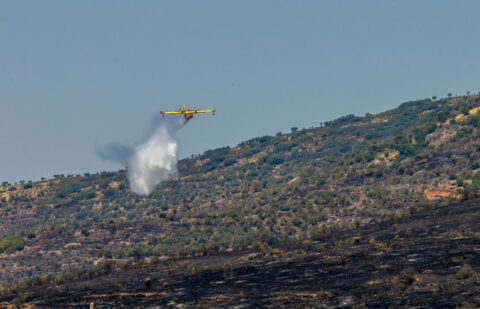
449,94
138,253
460,181
294,129
434,97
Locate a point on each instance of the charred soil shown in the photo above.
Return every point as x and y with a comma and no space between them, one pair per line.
429,259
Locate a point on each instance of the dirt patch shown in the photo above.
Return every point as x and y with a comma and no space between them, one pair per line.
437,138
433,195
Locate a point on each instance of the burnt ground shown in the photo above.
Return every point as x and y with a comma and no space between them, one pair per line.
429,259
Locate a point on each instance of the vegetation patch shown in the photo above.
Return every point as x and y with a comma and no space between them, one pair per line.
11,243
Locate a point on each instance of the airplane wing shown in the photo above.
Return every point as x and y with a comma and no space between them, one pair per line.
171,113
204,111
189,112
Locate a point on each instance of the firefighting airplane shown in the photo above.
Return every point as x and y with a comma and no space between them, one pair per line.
188,113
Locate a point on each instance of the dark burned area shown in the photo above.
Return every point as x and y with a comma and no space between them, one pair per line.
424,259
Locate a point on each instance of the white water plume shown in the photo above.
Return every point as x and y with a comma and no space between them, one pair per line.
151,162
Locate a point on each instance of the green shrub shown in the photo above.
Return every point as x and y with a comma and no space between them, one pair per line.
285,207
229,161
297,222
275,159
233,213
11,243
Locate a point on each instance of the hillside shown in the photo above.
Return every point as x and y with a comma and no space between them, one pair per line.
428,259
273,189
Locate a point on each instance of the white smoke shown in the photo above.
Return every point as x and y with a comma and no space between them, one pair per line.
151,162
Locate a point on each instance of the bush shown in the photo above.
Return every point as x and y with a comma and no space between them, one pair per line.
285,207
11,243
297,222
148,283
465,272
229,161
406,277
275,159
475,165
233,213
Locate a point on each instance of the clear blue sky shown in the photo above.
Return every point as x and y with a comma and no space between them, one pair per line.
76,74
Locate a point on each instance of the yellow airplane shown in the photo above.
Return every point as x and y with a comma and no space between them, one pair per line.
188,113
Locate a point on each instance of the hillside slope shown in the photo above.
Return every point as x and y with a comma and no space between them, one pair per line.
429,259
272,189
